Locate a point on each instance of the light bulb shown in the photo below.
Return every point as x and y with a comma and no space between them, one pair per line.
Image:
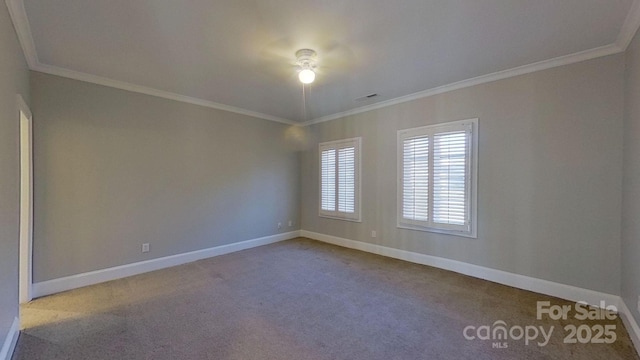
306,76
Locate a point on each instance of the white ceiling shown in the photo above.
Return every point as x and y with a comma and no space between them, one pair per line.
239,53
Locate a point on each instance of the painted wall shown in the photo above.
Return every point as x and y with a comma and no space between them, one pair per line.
114,169
550,170
14,79
631,181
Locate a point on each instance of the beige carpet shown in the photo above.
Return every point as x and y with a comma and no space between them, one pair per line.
298,299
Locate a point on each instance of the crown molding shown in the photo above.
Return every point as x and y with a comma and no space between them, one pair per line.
504,74
627,32
21,23
629,27
58,71
23,30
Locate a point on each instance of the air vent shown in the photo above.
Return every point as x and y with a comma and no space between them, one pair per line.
367,97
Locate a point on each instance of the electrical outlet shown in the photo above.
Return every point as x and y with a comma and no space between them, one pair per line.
279,225
290,223
145,247
373,234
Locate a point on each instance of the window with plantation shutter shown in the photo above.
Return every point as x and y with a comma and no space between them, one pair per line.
347,180
415,179
450,204
340,179
328,193
437,167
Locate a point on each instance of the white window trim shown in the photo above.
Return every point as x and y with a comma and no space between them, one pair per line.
357,215
473,169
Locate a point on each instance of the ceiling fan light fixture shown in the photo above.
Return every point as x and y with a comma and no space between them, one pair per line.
306,60
306,76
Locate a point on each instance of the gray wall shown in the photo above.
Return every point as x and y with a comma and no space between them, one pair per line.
14,79
550,169
115,169
631,182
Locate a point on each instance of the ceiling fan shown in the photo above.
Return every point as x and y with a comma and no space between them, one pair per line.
306,59
285,59
288,57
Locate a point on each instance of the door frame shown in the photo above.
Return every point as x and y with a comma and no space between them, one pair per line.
25,129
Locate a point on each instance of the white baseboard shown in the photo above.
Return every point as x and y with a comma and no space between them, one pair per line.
95,277
546,287
10,341
630,323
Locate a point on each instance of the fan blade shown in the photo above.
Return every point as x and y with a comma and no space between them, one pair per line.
277,59
336,56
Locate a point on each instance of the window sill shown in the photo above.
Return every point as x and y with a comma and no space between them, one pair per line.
340,218
438,231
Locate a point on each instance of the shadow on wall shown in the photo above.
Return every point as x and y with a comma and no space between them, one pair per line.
299,138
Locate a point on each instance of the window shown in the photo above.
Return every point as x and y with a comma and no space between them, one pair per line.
340,179
437,172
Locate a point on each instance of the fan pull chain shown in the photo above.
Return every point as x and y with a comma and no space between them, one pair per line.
304,102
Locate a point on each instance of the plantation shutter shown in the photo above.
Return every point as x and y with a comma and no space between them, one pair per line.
435,178
340,179
450,157
346,179
415,185
328,169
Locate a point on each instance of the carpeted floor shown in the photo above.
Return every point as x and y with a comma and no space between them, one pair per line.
302,299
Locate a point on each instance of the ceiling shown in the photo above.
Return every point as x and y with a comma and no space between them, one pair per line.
239,54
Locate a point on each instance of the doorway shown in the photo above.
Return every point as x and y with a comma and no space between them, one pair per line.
26,200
